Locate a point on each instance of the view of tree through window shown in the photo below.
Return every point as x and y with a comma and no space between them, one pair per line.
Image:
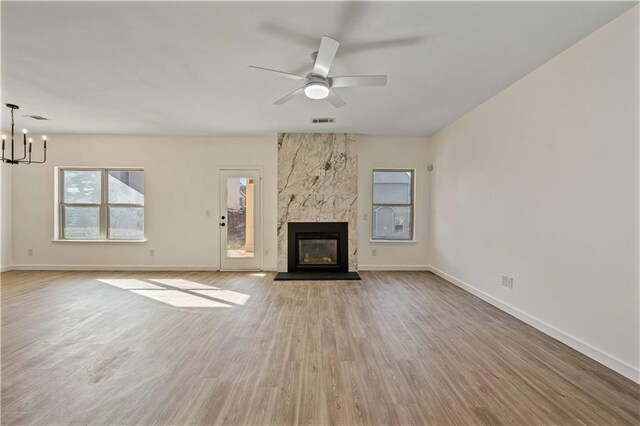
102,204
392,217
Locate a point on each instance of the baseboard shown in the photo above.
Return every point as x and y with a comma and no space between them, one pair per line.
393,268
29,267
603,358
7,268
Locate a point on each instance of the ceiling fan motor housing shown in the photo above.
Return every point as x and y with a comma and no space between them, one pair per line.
316,88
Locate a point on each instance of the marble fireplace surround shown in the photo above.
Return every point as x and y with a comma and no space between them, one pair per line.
317,182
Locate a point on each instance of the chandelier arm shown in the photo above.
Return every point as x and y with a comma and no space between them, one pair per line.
24,153
39,162
25,159
13,124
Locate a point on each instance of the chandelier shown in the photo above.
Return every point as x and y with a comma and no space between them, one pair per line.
25,159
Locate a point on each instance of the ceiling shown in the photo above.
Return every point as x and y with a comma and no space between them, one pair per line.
181,67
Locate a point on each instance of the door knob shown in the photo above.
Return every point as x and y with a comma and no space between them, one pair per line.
222,218
222,224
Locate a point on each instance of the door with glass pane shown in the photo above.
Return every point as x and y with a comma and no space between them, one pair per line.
240,220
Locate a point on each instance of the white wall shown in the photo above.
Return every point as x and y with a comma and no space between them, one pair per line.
181,183
541,183
6,258
379,152
181,176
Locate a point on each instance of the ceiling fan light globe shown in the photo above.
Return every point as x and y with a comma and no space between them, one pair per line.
316,91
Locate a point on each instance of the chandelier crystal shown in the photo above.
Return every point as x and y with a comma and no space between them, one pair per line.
25,159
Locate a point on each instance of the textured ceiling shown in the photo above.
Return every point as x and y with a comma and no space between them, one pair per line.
181,67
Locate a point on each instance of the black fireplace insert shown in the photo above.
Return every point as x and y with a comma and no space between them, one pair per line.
318,246
318,251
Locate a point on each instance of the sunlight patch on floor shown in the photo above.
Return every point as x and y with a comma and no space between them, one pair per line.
226,295
180,299
183,294
183,284
130,284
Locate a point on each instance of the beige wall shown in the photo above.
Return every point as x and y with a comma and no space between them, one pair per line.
181,176
181,184
541,183
6,228
391,152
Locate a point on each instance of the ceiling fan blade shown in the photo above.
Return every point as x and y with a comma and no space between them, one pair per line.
281,73
358,80
290,34
335,100
348,49
290,96
326,53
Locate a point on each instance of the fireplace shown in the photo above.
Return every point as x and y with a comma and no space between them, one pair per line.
315,251
318,247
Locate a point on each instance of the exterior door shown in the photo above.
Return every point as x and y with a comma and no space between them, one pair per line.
240,220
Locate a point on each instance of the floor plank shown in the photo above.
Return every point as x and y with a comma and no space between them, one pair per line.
397,348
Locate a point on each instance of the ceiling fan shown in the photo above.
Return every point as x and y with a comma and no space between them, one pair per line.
318,84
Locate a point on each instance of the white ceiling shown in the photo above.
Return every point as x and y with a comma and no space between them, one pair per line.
181,67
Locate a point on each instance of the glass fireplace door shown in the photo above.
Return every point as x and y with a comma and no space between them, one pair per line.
321,252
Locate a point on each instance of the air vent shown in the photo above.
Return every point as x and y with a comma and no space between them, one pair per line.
323,120
36,117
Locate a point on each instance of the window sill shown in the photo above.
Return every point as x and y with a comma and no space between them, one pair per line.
57,240
393,241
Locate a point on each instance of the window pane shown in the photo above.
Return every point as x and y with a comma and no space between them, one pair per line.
126,186
240,218
391,223
81,223
82,186
392,187
126,223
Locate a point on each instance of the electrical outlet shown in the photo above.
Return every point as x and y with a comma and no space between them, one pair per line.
365,216
30,252
507,281
374,252
152,252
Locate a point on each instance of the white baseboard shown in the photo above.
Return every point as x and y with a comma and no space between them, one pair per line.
192,268
393,268
7,268
29,267
603,358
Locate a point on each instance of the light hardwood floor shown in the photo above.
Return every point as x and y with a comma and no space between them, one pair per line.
395,348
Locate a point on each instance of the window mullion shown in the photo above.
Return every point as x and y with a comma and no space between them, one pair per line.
104,215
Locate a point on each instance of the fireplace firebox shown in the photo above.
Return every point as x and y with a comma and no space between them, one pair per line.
318,246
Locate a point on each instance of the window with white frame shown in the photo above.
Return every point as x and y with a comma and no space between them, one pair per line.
393,204
101,204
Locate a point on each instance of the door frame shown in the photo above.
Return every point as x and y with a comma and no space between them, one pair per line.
258,248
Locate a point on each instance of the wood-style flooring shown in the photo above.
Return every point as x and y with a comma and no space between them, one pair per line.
186,348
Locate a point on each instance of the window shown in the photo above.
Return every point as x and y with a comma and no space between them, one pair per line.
101,204
392,217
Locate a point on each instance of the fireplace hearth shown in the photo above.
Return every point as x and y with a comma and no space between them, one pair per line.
317,251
